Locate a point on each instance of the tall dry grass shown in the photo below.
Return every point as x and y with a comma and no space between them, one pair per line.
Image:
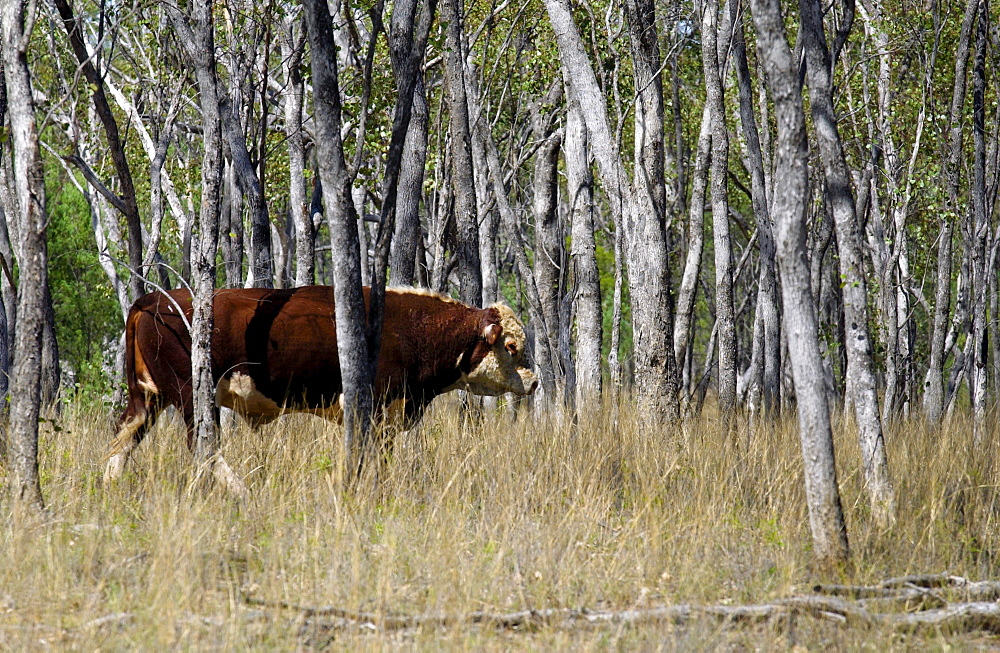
502,513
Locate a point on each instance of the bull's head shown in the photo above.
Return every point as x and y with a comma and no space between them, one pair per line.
506,364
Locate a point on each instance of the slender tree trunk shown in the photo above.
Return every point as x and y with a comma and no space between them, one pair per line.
826,517
261,269
639,208
407,242
586,276
860,371
292,45
462,179
548,250
489,226
695,248
545,355
156,206
199,42
414,44
403,260
725,312
127,189
32,257
352,345
766,361
8,291
951,172
980,244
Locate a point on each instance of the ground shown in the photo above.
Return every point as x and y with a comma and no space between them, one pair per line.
498,513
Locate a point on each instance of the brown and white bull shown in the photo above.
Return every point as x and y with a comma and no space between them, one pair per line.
275,351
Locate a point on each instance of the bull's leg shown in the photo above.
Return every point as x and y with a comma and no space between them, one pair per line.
139,416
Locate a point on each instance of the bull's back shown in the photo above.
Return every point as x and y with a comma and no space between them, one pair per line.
283,340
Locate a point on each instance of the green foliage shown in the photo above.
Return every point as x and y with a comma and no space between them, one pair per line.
606,267
87,315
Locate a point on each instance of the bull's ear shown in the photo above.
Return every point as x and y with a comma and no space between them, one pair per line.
492,333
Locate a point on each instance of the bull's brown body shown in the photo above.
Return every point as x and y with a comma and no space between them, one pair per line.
276,350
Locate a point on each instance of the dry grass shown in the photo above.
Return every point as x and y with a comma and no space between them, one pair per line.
503,514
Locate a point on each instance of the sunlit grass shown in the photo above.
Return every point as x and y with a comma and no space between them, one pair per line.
509,511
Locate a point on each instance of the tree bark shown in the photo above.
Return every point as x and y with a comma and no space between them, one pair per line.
586,276
695,249
415,44
766,362
261,269
950,174
979,243
826,517
641,216
352,345
403,260
32,257
548,251
292,45
860,381
199,42
725,312
462,179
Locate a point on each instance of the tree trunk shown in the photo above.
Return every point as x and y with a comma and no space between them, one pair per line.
860,379
826,517
544,355
414,43
933,383
261,269
641,215
548,252
980,242
725,312
199,42
766,362
403,259
462,179
695,249
32,258
489,217
586,276
352,345
292,45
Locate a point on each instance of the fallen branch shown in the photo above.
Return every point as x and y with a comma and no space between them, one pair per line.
933,610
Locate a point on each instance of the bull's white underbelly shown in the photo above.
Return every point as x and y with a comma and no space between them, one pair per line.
240,394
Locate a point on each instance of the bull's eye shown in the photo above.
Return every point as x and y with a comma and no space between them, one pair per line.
512,348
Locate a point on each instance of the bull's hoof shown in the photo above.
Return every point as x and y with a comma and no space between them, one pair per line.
114,468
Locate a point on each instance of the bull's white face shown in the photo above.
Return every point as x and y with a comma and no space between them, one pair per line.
507,366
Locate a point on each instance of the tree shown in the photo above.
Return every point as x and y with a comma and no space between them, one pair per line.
725,312
765,363
352,345
16,22
292,45
586,275
199,45
950,176
860,381
405,240
126,201
826,516
640,203
463,184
